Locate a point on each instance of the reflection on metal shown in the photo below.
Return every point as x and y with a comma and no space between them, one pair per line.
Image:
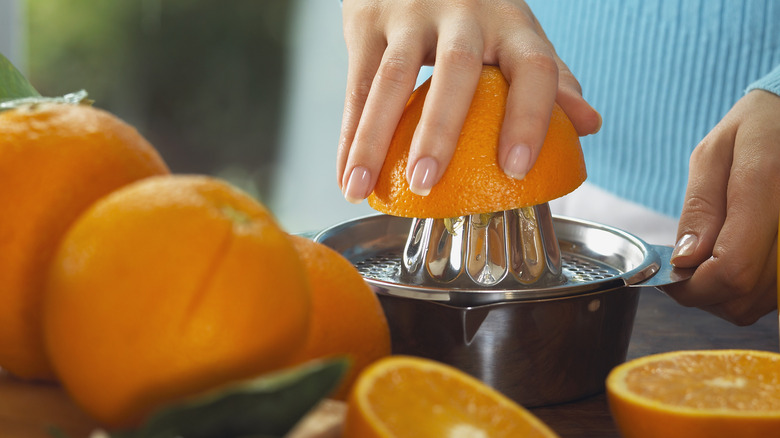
514,248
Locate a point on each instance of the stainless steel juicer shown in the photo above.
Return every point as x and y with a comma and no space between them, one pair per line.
539,307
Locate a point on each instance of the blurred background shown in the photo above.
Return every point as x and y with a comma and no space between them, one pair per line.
249,91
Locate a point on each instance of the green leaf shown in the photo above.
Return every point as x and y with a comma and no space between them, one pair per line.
13,84
16,91
268,406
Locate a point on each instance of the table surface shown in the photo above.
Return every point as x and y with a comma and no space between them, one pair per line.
661,325
26,410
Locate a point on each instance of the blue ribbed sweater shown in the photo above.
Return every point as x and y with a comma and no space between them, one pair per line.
662,74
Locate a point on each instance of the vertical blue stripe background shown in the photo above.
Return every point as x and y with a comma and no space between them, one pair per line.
662,74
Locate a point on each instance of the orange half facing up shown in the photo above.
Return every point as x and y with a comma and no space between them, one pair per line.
411,397
474,182
692,394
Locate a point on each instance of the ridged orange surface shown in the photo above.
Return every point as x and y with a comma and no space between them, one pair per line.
474,182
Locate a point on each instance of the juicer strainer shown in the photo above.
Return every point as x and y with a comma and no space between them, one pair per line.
593,257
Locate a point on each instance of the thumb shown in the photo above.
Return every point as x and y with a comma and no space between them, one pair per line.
704,209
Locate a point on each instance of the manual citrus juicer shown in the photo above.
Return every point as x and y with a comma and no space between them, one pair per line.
539,307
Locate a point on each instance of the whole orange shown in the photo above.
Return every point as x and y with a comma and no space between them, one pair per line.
167,288
55,160
347,318
474,182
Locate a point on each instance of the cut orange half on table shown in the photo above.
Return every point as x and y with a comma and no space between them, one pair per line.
708,393
474,182
408,397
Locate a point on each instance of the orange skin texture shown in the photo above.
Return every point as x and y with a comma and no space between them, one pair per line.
639,416
411,397
474,182
347,318
168,288
55,161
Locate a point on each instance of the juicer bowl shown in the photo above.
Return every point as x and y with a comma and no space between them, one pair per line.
537,345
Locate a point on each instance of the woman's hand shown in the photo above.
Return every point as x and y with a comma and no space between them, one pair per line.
389,40
728,227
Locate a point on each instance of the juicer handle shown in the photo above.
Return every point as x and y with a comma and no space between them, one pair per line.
666,273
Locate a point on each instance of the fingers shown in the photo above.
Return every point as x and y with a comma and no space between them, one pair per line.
702,218
750,305
723,294
365,57
537,77
585,119
730,217
533,84
388,42
389,92
458,67
704,209
368,128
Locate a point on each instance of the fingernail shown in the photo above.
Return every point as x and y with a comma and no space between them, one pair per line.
423,176
685,246
517,161
357,185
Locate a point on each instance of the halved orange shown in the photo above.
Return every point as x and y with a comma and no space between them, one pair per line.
474,182
408,397
707,393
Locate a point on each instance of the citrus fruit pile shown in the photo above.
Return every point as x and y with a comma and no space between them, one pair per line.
708,393
55,161
135,288
474,182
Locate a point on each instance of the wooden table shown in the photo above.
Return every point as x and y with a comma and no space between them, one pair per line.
661,325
